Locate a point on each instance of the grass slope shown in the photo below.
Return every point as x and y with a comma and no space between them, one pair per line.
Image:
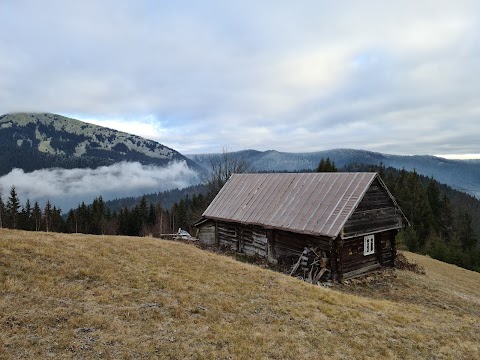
70,296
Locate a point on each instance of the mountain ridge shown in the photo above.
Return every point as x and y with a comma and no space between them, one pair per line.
463,175
33,141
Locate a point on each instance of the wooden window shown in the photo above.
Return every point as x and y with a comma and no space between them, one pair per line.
369,245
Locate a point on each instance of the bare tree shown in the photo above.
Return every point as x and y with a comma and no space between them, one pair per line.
221,168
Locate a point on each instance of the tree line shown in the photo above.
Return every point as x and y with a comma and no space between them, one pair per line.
143,219
28,217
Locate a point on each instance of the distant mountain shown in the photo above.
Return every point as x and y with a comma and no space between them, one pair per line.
32,141
462,175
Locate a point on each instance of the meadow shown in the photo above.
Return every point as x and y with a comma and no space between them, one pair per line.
114,297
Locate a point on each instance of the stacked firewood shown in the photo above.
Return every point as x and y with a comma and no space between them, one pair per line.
311,266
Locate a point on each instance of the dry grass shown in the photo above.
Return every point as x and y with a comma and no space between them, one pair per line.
78,296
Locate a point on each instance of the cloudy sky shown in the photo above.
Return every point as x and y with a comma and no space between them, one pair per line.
391,76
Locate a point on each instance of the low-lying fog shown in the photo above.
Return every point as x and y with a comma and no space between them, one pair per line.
66,188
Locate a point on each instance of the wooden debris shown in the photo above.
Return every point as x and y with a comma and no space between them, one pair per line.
310,266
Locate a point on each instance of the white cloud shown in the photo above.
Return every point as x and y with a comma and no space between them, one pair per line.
460,156
68,187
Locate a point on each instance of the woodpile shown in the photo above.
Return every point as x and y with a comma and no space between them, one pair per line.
311,266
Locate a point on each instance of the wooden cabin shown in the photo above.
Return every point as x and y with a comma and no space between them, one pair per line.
352,218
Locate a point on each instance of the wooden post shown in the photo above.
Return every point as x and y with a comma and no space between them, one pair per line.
271,255
239,237
333,259
378,247
216,233
339,248
394,245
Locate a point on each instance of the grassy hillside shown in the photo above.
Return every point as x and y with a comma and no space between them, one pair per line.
73,296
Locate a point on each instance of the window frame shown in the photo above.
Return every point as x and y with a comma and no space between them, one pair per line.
369,244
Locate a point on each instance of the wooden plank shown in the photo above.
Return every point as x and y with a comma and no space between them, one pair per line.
362,271
353,266
372,226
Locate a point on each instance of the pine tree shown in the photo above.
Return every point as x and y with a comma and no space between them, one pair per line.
446,218
37,215
13,204
326,166
465,231
48,216
381,170
321,165
26,222
71,222
135,222
121,220
84,218
143,209
333,168
152,215
98,216
433,195
57,222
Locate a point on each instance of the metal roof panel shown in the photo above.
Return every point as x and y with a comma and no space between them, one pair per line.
311,203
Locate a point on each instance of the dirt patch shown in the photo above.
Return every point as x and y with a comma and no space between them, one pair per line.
402,263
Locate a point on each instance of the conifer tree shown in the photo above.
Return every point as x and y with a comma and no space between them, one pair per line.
98,216
321,165
83,218
326,165
37,216
181,215
71,222
57,223
47,213
465,231
433,194
381,170
152,215
13,204
26,216
143,209
124,221
446,218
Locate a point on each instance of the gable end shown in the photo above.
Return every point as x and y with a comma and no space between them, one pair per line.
377,211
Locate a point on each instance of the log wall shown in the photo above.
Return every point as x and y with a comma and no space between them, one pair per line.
257,241
376,212
251,240
227,235
254,240
289,243
354,262
206,233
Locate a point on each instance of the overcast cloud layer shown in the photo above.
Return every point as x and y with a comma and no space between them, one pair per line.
66,188
390,76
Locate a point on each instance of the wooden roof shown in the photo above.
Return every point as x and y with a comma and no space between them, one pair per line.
309,203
